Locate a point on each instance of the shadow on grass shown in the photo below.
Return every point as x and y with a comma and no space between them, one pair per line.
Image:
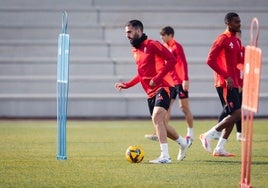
220,162
234,162
259,163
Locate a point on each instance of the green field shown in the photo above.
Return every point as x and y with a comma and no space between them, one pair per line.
95,151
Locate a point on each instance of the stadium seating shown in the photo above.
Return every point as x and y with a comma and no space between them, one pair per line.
100,53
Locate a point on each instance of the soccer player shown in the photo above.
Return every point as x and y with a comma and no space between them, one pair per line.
151,74
223,58
223,114
180,79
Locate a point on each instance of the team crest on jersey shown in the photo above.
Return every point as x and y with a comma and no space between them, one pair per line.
145,49
231,45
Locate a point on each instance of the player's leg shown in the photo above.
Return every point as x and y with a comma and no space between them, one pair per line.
159,112
184,143
233,108
226,124
239,123
159,121
153,136
184,105
224,113
171,132
238,130
158,118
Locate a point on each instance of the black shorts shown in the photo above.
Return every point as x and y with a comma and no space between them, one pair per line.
233,101
178,90
161,99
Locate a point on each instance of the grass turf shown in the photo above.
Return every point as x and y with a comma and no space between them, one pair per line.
95,151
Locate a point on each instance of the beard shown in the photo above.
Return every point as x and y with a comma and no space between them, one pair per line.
136,40
135,37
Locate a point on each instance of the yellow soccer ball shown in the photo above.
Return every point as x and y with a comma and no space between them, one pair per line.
134,154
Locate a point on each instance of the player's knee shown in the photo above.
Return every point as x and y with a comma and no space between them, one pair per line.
237,114
185,109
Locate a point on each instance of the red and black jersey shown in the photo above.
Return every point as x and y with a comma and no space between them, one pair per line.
180,72
149,58
223,58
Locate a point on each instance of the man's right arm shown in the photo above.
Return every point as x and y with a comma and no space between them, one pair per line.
125,85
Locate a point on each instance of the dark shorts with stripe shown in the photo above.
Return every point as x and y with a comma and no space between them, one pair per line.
161,99
178,91
233,102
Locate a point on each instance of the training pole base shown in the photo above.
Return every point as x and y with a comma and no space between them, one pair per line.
60,157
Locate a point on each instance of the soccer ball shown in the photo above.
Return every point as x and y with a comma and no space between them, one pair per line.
134,154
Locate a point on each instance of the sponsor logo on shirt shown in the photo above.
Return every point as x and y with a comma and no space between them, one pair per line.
231,45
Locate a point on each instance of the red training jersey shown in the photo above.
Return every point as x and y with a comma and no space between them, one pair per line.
149,67
180,72
223,57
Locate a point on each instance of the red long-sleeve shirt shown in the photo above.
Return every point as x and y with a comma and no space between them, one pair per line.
146,58
180,72
223,58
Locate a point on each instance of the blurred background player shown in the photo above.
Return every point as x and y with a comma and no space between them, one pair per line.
240,68
151,74
223,58
180,79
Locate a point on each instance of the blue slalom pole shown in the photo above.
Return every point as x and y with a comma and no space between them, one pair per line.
62,87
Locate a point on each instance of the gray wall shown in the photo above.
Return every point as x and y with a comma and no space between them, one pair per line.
100,54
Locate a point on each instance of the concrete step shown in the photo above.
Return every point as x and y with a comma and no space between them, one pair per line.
47,16
184,17
96,84
37,66
103,106
48,4
48,85
194,4
125,67
48,48
100,53
196,50
36,33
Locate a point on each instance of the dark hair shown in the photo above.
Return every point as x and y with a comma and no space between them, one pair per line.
229,16
136,24
167,31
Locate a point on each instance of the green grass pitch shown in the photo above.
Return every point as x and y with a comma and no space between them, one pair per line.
95,151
